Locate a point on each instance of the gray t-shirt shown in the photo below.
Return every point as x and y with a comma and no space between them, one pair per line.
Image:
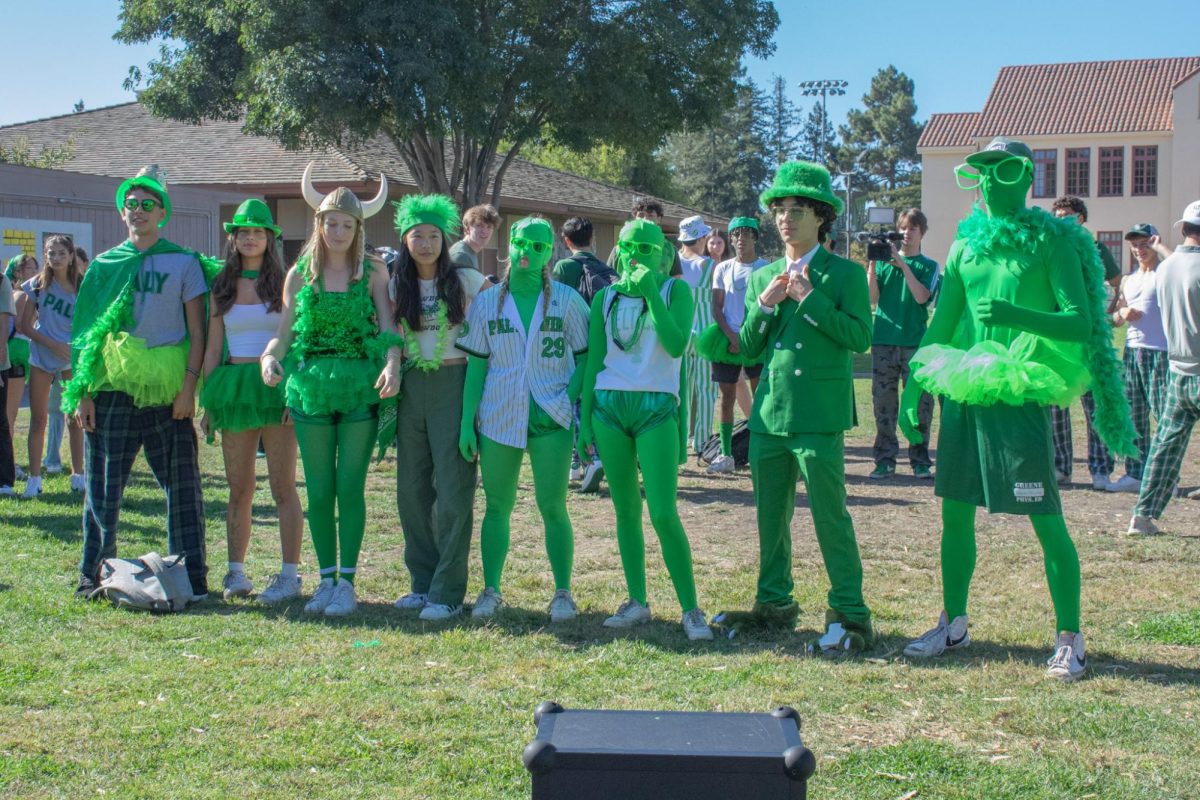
1178,283
461,255
55,306
165,282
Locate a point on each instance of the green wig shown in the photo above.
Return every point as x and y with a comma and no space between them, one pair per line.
427,209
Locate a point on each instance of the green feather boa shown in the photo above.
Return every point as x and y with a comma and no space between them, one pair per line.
1026,231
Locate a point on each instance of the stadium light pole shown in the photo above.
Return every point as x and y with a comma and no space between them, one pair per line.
824,88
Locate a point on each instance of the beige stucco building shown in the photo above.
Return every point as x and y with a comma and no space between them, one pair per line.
1122,135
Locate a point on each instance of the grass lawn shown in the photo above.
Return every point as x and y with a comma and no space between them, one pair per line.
234,700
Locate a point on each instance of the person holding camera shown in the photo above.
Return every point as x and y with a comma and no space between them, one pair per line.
901,282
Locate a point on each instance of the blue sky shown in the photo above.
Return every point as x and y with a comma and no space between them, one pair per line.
61,51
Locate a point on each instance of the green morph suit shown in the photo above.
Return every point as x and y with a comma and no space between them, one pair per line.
531,243
1002,284
634,427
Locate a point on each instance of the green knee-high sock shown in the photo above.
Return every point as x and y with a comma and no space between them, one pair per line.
620,467
660,474
500,466
355,441
958,555
727,439
318,448
550,457
1062,569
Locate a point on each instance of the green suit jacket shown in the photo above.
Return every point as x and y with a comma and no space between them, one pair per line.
807,383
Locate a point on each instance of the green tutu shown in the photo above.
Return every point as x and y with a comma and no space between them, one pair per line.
713,345
151,376
18,352
1030,370
236,399
326,385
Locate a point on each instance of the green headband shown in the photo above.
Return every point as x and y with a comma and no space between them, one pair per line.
427,209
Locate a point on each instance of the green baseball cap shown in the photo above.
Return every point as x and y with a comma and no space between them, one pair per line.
743,222
1141,229
998,149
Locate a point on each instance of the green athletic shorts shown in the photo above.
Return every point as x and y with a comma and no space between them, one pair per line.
634,413
541,423
999,457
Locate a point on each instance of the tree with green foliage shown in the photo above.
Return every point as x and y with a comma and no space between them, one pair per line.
817,141
640,170
20,152
447,81
880,140
780,121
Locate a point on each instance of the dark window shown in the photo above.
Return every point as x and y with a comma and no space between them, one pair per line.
1145,171
1112,172
1078,163
1113,241
1045,172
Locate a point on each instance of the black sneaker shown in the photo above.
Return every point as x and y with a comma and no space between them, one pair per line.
85,589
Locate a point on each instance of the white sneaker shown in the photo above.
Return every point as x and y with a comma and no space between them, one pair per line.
486,605
413,601
946,635
592,475
629,614
321,598
1061,477
437,612
20,473
576,473
7,491
280,590
695,626
562,606
1125,484
78,483
721,464
1069,660
343,602
236,585
33,487
1142,526
1100,482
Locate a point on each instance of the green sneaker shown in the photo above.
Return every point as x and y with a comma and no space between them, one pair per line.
882,471
922,472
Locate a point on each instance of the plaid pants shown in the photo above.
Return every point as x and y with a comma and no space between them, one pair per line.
1146,389
889,366
1169,444
170,445
1099,460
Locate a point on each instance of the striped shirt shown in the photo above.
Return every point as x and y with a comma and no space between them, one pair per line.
520,365
698,274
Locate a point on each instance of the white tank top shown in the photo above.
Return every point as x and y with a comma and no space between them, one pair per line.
645,366
248,328
1142,294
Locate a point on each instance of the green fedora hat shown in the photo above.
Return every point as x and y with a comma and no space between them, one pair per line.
252,213
153,180
802,179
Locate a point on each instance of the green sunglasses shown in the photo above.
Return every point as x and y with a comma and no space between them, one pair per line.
529,244
132,203
1007,171
639,248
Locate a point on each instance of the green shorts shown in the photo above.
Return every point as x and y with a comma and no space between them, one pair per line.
999,457
541,423
634,413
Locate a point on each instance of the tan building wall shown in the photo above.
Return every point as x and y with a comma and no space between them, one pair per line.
1185,151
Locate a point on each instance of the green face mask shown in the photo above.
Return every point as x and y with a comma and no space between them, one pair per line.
641,244
530,240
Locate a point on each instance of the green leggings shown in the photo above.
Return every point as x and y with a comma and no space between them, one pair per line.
958,562
336,454
657,451
500,465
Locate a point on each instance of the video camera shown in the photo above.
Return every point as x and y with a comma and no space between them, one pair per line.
879,242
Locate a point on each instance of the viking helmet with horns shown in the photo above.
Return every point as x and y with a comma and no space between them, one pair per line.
342,199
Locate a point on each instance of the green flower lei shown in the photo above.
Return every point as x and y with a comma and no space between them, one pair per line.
412,348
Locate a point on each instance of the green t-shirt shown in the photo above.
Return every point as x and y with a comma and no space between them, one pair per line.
569,270
1111,268
461,255
899,319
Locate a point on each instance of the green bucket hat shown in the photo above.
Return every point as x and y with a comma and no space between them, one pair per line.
152,179
743,222
802,179
252,213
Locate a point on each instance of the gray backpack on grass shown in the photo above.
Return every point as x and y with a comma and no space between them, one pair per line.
149,583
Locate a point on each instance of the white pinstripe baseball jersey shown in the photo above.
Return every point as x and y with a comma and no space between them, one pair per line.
520,365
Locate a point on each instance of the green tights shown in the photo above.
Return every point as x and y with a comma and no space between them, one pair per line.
958,561
336,456
500,465
657,451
